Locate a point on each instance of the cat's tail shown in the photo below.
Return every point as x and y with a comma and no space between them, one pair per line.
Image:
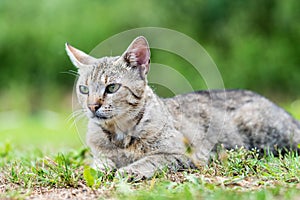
296,136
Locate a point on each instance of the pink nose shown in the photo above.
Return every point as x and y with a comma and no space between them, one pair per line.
94,107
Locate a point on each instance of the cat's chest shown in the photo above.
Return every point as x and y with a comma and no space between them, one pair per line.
124,138
129,144
127,149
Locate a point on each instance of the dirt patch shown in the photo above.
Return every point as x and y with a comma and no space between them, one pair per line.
41,193
10,190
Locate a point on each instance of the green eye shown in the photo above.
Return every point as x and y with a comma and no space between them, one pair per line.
112,88
83,89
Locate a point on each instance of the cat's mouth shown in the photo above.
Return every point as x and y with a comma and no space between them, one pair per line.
102,116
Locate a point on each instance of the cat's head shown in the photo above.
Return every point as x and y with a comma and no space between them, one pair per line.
111,87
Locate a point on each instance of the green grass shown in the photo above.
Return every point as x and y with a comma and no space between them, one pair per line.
44,157
236,174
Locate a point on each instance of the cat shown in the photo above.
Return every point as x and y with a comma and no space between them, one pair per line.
135,132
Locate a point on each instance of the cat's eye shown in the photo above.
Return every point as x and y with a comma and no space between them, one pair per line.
83,89
112,88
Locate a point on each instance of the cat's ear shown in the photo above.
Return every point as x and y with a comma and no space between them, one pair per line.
138,54
79,58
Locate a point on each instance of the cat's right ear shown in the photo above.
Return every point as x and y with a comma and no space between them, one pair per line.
79,58
138,55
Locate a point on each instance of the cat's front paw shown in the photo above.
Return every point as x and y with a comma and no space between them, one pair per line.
103,166
132,174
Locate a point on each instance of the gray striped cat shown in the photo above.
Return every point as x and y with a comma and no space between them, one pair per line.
134,131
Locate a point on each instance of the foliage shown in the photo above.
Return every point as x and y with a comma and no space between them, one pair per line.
255,44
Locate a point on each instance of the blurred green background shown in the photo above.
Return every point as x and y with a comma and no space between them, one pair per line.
255,44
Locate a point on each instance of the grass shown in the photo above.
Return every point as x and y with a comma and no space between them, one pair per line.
236,174
53,163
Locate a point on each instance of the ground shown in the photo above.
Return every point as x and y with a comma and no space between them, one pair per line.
235,174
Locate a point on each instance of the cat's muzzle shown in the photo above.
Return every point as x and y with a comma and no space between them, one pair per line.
101,115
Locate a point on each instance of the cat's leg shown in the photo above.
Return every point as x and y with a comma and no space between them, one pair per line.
100,148
147,166
103,164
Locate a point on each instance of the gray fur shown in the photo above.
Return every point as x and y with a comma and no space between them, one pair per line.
139,133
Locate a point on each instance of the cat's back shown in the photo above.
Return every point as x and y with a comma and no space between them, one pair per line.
204,111
234,117
208,100
215,105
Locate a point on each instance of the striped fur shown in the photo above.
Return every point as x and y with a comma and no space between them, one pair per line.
135,131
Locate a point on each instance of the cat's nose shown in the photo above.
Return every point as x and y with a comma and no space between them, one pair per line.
94,107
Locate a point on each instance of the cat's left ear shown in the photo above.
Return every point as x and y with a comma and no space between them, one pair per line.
138,54
79,58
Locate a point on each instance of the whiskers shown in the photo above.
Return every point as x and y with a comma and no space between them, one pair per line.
71,72
76,116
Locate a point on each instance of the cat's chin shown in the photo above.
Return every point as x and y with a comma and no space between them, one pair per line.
100,117
103,117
